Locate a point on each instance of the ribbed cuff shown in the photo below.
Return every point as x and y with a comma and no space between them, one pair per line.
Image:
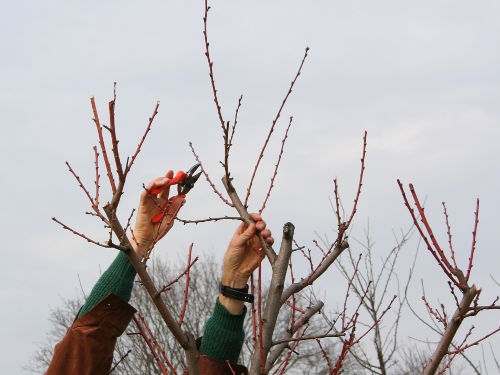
223,336
117,279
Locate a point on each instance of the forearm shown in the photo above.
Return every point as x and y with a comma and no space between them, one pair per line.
118,279
223,335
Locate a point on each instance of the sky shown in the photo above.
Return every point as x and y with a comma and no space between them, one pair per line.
421,78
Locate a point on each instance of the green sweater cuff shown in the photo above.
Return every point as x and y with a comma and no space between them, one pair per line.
223,336
117,279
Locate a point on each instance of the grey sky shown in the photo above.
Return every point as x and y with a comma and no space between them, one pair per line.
421,78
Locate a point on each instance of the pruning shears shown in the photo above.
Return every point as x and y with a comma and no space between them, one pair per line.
185,182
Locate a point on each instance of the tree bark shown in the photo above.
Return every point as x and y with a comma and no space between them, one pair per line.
451,330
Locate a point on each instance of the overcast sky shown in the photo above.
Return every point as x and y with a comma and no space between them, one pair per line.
422,78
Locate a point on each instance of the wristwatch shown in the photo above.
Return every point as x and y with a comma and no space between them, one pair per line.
240,294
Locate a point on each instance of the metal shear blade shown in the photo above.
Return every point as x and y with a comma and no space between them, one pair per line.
188,183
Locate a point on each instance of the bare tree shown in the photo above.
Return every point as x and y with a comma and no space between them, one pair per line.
281,296
381,282
467,305
270,348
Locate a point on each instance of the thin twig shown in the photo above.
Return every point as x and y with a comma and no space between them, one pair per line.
271,130
473,247
103,146
271,185
114,139
143,138
360,182
212,185
208,220
186,288
79,234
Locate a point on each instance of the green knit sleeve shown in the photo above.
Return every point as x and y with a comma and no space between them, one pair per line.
223,336
117,279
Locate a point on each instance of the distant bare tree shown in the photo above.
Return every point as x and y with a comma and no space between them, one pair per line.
377,283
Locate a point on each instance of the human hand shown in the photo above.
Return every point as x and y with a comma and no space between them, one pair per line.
146,234
244,252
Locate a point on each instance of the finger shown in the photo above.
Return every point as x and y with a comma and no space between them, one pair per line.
260,225
157,183
256,217
165,192
246,234
266,233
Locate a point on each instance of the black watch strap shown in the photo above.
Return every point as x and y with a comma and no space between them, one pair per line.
239,294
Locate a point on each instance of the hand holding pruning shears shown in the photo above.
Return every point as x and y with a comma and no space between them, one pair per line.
157,211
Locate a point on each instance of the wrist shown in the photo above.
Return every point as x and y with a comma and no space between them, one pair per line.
140,247
234,280
233,299
234,306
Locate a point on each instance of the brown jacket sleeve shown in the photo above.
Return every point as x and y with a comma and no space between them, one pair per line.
87,348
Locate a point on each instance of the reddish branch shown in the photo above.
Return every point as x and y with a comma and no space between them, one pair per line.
152,344
114,139
235,122
271,185
212,185
93,202
476,342
473,247
325,356
82,235
468,304
448,231
346,347
185,272
360,182
143,138
431,244
103,146
230,367
293,305
253,313
186,288
210,67
271,130
292,349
